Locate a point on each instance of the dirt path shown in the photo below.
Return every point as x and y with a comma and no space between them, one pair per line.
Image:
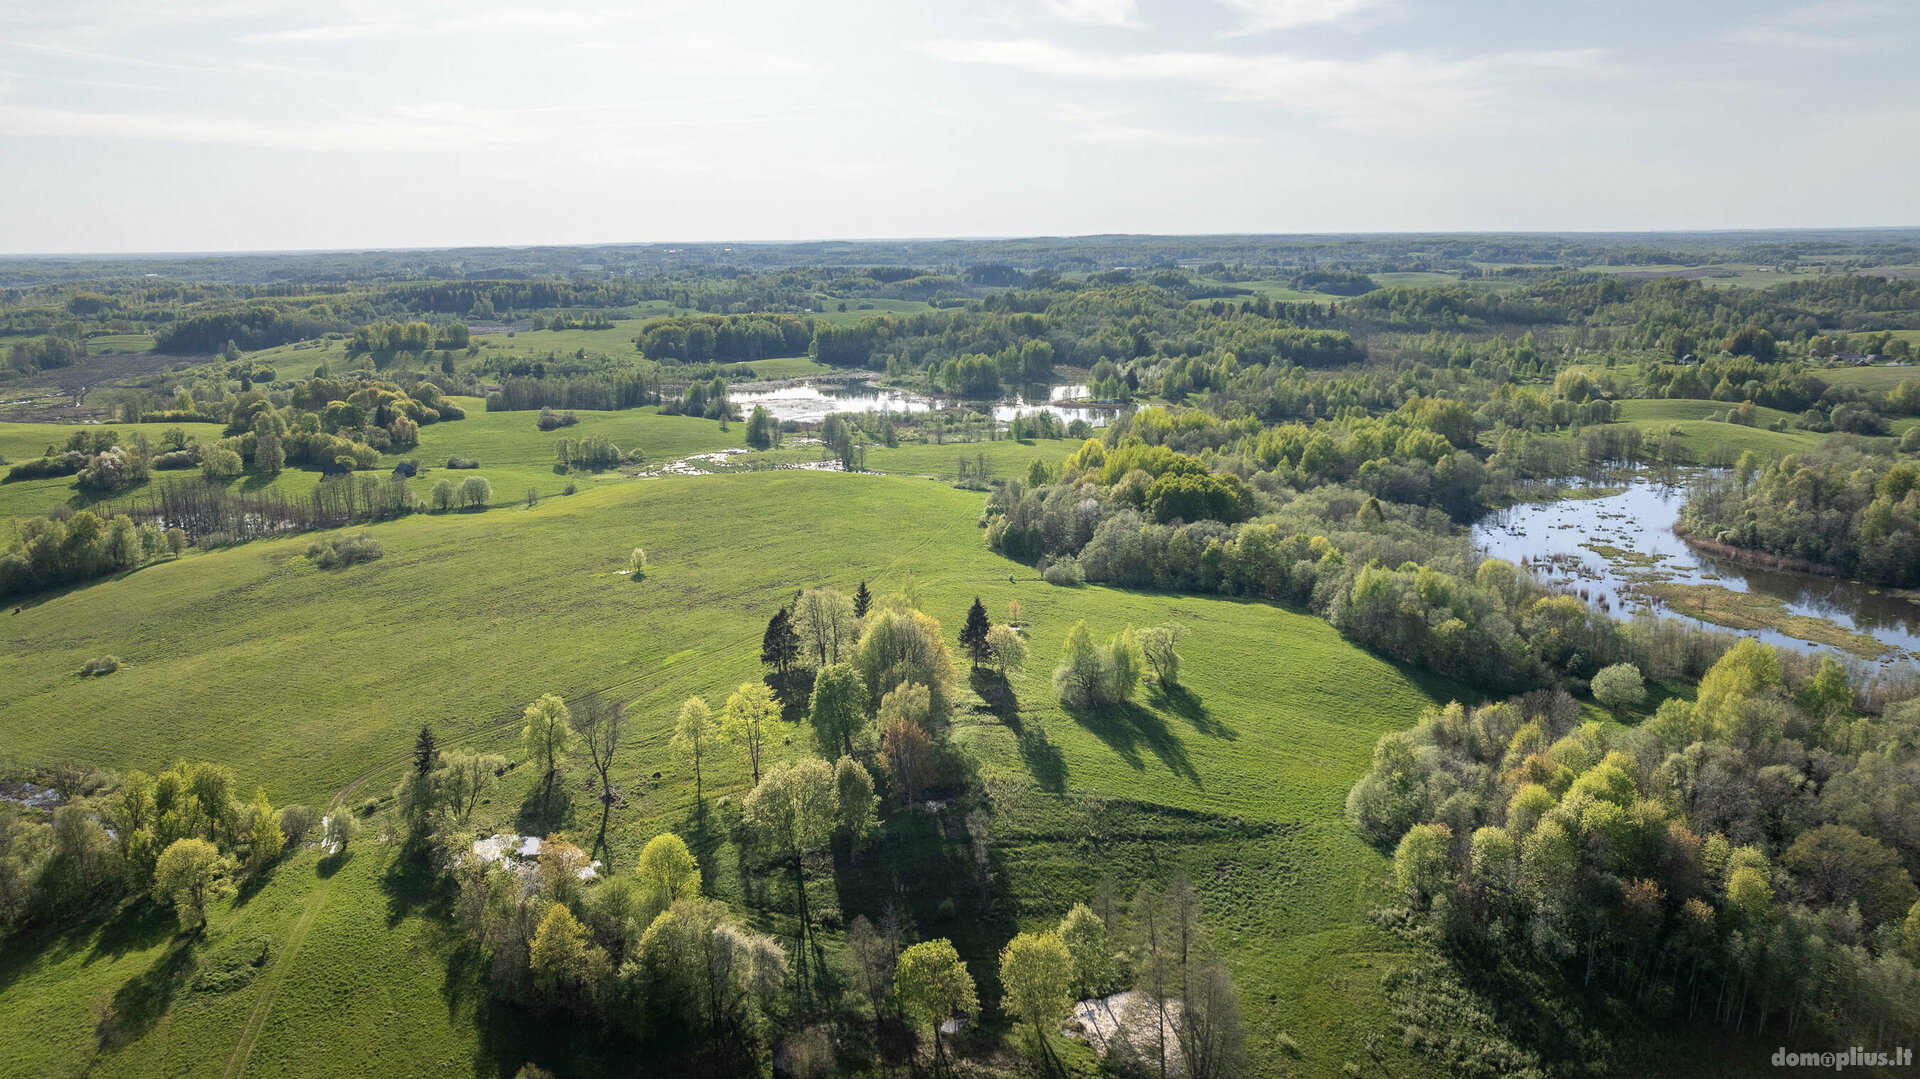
257,1021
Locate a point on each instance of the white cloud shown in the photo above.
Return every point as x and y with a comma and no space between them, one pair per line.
1118,130
1391,92
1828,25
1259,16
1097,12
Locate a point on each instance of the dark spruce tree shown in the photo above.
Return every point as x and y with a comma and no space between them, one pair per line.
973,635
862,601
781,645
426,751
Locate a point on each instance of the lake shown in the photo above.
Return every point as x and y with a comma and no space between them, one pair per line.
1619,547
813,400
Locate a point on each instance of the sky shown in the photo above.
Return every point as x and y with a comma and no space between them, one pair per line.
237,125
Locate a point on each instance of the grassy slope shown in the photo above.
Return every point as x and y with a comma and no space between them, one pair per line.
307,681
514,453
1704,438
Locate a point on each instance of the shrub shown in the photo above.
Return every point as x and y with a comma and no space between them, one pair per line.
568,489
220,463
550,420
174,459
295,822
476,492
342,551
100,665
457,461
1065,572
64,464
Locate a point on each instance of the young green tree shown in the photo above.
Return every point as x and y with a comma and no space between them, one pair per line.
1077,679
933,986
1008,649
973,633
748,721
902,645
826,625
838,708
1160,644
1036,976
1619,687
793,810
341,827
1086,938
267,839
548,735
1121,663
668,873
189,874
853,788
566,966
693,735
463,777
909,755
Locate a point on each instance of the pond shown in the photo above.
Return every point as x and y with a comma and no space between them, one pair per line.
1620,552
813,400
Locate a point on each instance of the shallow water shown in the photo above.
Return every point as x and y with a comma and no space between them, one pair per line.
1640,521
814,400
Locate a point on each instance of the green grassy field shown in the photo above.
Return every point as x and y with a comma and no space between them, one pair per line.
1710,440
311,682
516,455
120,342
1719,275
1877,378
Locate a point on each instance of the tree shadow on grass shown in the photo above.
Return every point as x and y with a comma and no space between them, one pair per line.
332,863
794,691
138,926
251,884
1186,704
1127,728
144,998
547,808
1042,758
414,887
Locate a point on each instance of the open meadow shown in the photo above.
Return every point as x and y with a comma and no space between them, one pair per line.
311,682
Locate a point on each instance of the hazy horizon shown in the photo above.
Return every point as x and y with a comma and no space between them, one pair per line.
212,126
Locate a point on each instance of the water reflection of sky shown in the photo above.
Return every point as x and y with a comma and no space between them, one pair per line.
811,402
1640,520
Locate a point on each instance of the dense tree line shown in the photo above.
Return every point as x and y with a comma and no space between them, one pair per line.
1838,512
1746,858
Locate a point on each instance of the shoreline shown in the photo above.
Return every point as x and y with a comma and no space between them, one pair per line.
1746,556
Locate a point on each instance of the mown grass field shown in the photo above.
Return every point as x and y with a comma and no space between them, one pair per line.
312,682
1877,378
514,454
1708,441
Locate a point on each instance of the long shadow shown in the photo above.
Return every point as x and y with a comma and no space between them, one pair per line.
332,863
1186,704
1127,728
414,887
794,691
1042,758
546,809
144,998
255,881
